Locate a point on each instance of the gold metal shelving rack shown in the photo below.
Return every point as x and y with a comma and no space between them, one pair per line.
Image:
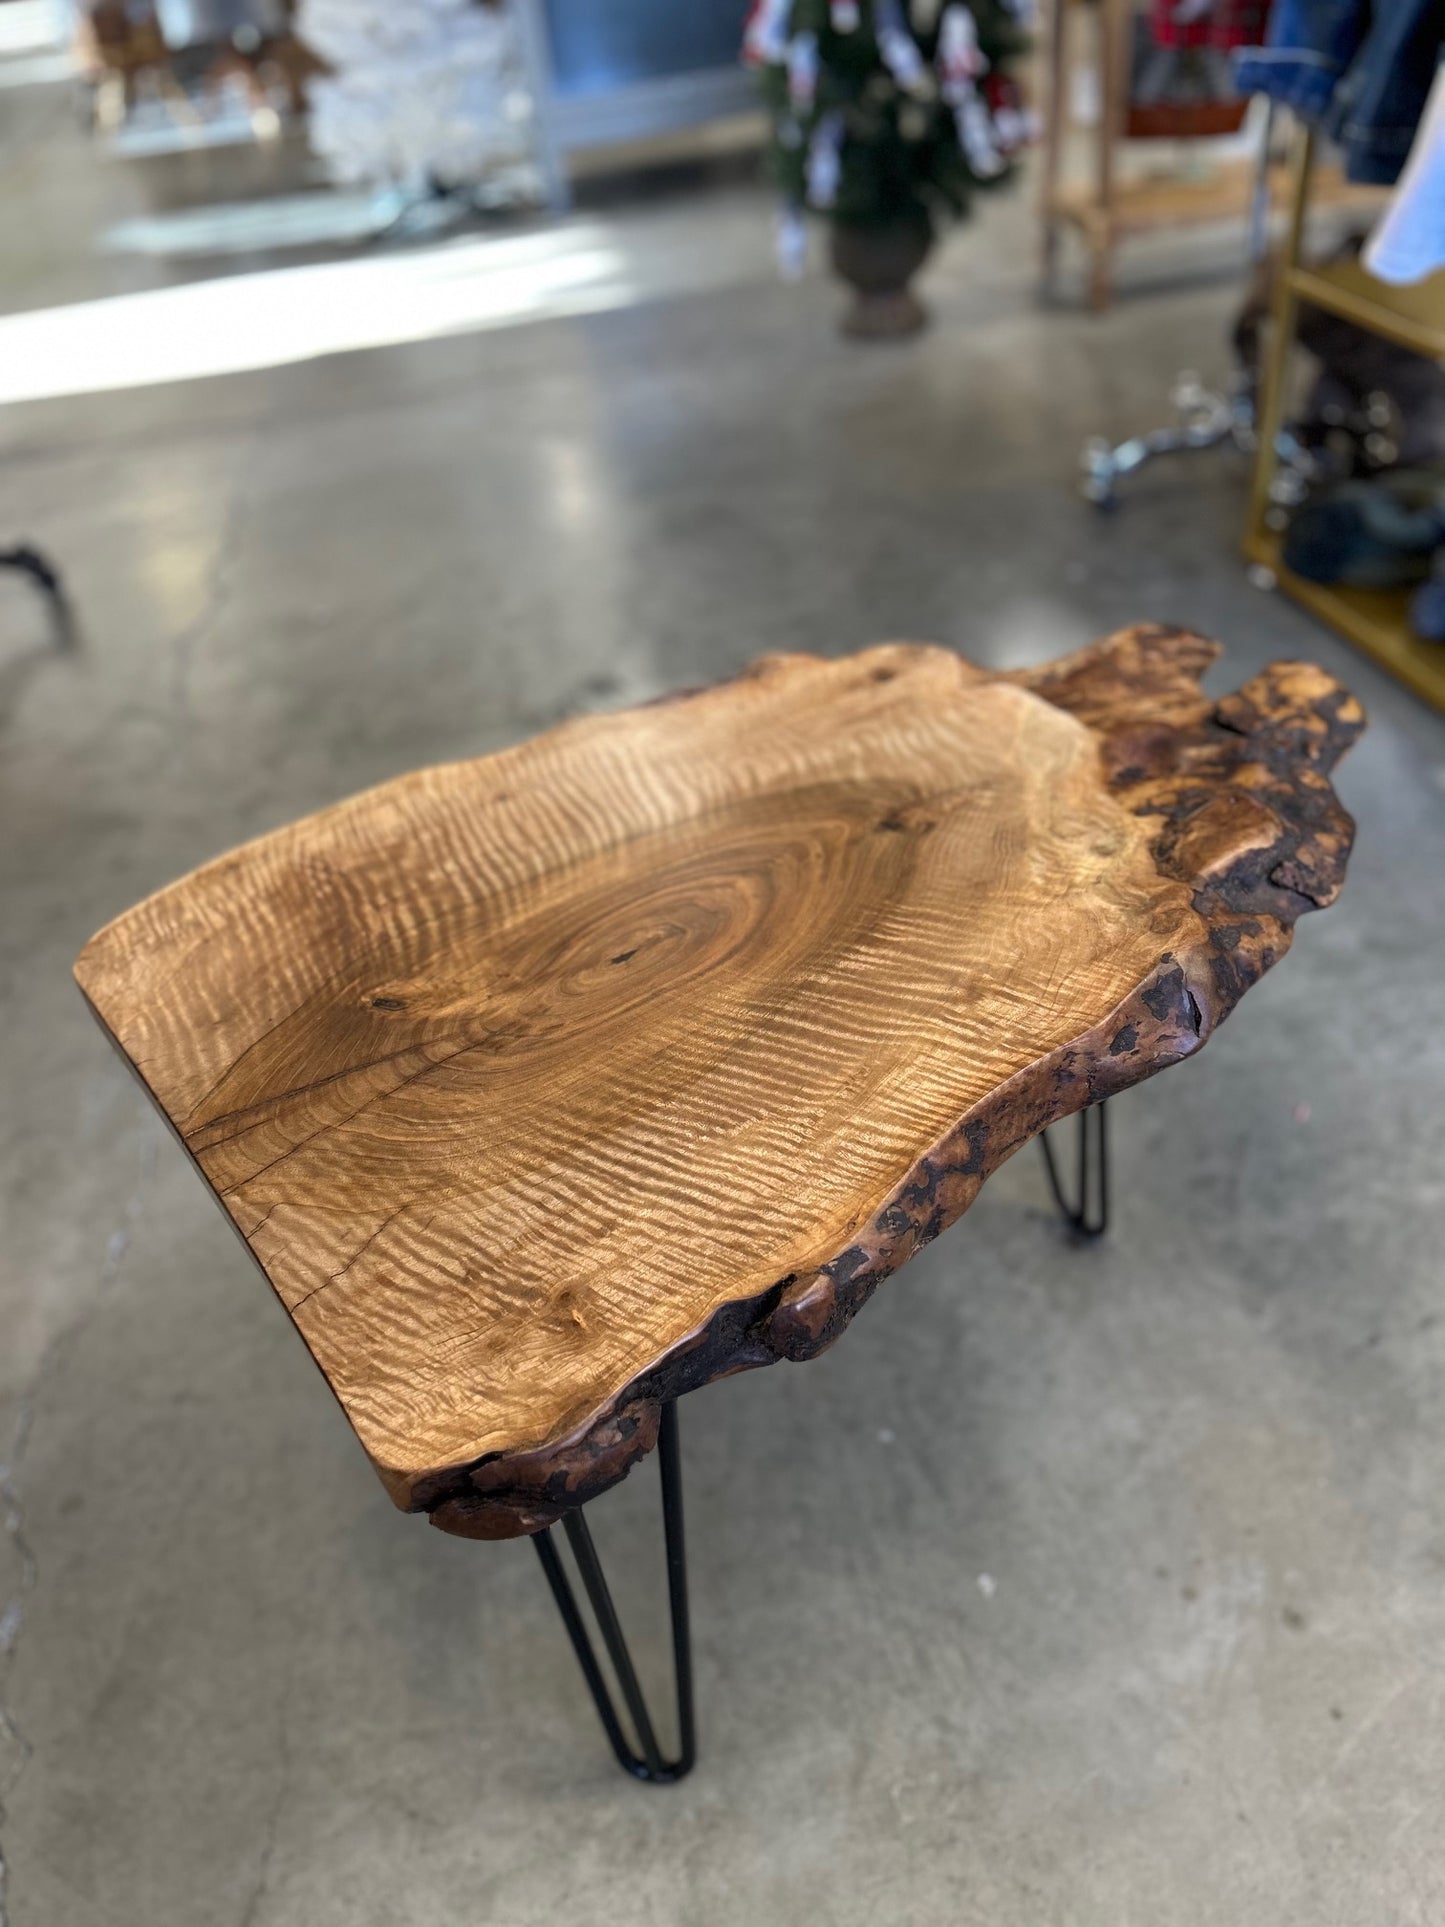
1375,621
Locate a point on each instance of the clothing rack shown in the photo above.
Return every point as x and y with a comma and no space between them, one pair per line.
1376,621
1103,205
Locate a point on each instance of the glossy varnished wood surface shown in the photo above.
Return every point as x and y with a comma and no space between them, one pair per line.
550,1084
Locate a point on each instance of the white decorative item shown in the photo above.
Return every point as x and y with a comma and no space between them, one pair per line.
961,65
424,96
802,71
825,161
978,136
898,47
791,242
960,59
765,38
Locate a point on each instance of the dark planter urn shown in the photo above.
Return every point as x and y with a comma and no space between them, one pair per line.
878,261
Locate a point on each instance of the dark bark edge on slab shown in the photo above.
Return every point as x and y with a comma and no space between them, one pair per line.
1237,794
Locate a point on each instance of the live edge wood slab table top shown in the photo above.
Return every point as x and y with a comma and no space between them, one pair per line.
548,1086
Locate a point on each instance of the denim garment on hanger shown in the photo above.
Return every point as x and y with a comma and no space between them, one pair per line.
1364,69
1308,47
1378,107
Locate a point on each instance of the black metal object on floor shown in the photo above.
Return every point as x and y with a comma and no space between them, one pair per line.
29,561
1089,1216
646,1762
1206,417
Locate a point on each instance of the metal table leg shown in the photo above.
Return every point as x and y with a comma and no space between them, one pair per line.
1089,1216
646,1761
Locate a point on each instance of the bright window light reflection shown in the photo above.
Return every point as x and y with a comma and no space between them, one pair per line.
241,227
27,25
284,315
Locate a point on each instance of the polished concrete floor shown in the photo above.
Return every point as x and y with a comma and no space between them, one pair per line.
1079,1587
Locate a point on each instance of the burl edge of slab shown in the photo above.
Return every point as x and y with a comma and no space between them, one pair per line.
1240,821
1237,795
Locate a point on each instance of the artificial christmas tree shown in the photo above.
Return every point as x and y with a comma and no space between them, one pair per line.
885,117
426,97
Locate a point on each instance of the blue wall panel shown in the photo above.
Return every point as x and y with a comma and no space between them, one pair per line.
601,44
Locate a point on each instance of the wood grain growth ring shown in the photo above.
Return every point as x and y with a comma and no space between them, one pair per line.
550,1085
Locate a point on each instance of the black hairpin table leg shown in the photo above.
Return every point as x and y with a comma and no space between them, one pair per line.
646,1762
1089,1217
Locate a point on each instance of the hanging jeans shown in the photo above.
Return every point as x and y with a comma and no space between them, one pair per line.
1362,67
1383,97
1308,47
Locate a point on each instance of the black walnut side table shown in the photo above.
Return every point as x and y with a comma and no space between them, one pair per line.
548,1087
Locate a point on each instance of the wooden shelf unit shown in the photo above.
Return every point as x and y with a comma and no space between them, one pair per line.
1412,316
1105,206
1377,622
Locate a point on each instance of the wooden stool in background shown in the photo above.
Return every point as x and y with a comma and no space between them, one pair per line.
119,48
